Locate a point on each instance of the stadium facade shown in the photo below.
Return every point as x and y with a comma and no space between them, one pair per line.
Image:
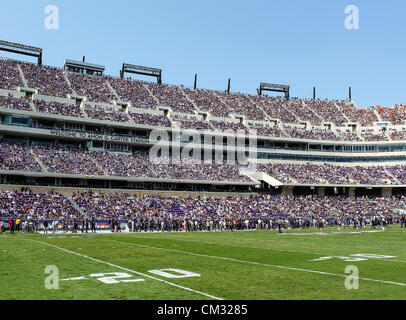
76,127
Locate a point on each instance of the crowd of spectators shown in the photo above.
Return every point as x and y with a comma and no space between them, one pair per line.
75,161
65,160
304,113
171,96
399,172
327,174
35,207
105,113
227,126
327,110
372,175
130,206
121,164
240,104
17,157
267,131
397,135
276,108
56,82
190,124
48,80
372,135
315,134
143,212
134,92
58,108
396,115
95,88
150,119
208,101
365,116
209,171
15,103
347,134
10,77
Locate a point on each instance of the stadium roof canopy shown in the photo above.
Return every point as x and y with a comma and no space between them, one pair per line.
83,67
146,71
263,86
21,49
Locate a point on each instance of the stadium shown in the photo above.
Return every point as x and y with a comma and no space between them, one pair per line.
141,190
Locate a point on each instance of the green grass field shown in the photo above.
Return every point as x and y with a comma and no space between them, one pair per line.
225,265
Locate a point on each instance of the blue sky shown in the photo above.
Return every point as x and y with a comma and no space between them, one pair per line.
299,43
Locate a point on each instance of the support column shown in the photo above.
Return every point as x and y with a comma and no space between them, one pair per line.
321,191
387,192
287,191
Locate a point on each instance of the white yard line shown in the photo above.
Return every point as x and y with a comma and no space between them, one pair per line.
327,233
176,238
313,243
259,248
125,269
257,263
228,245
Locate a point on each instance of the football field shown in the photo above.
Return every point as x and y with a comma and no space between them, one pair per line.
240,265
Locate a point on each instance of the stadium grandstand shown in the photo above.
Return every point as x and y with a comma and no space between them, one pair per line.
78,142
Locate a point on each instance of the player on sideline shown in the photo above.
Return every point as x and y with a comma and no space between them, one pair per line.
321,225
279,225
45,227
384,223
11,226
18,221
54,225
93,225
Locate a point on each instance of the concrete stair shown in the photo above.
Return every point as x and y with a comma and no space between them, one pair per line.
36,157
22,75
